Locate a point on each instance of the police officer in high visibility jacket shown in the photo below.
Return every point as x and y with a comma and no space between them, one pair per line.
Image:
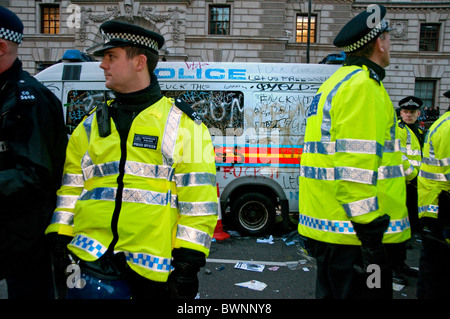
139,192
352,184
434,211
411,141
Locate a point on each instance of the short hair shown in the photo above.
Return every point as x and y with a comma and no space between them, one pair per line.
152,58
367,50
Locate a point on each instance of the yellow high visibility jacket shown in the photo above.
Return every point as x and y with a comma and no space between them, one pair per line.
411,149
351,167
434,175
164,187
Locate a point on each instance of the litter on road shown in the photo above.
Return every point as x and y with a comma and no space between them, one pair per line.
248,266
253,284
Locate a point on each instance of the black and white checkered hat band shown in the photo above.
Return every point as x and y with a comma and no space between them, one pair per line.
132,38
382,25
11,35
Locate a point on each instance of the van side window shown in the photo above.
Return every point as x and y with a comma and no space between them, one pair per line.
79,104
219,110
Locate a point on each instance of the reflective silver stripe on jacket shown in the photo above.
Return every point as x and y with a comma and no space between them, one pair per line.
131,168
359,147
351,174
87,124
170,135
73,180
193,235
148,261
436,162
198,208
130,195
352,146
435,176
346,227
62,217
66,201
361,207
195,179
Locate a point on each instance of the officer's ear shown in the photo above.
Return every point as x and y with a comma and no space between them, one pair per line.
3,47
141,62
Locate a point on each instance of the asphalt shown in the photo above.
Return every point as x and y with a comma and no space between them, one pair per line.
288,273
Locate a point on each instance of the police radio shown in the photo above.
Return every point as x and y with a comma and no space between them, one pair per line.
103,118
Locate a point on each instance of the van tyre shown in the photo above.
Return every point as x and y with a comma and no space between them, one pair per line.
253,214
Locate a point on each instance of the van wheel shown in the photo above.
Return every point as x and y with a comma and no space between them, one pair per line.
253,214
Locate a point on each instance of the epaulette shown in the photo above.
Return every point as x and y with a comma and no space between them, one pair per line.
188,110
401,124
26,92
374,75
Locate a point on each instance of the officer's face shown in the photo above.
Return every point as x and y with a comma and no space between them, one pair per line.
386,45
409,116
119,71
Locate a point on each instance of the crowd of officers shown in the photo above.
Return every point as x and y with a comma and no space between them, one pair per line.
135,213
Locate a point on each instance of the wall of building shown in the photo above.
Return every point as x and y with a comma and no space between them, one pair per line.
261,31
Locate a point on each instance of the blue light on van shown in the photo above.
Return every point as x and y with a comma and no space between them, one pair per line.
73,55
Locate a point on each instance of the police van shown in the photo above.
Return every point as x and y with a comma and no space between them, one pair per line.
256,114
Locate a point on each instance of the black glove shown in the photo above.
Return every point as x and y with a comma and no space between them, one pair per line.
60,258
183,281
372,248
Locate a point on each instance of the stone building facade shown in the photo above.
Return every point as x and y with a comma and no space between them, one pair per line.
255,31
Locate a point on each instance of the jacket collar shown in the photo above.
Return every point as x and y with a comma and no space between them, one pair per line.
360,61
12,74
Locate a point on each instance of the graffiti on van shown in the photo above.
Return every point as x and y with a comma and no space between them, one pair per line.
79,104
221,110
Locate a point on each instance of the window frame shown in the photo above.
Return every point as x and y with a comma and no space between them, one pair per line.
420,96
210,21
422,39
46,29
314,25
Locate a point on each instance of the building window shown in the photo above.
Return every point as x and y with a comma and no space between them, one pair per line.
302,29
429,37
50,19
219,20
425,90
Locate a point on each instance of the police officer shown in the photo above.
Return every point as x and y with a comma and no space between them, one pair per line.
434,211
138,199
352,187
410,107
33,142
411,142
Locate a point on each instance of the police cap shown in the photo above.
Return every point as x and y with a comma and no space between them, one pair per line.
362,29
11,28
447,94
121,34
410,103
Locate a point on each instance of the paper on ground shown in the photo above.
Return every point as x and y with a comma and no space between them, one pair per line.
253,284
